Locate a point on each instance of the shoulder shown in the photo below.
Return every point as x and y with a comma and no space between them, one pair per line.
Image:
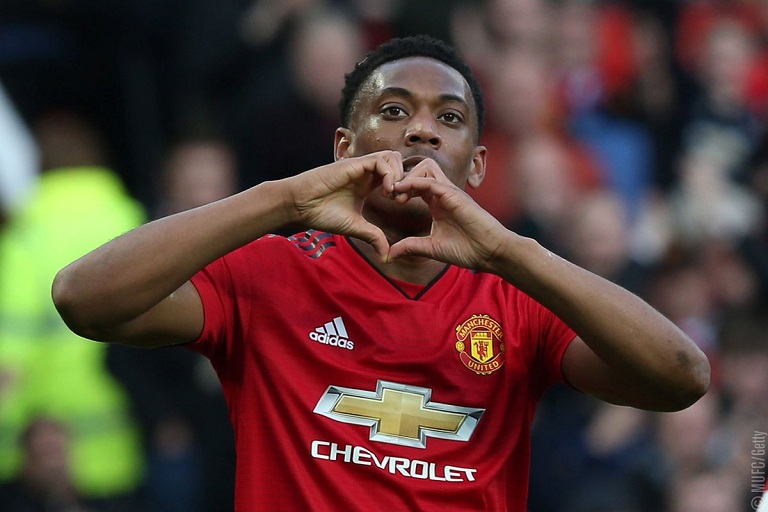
477,282
311,244
484,286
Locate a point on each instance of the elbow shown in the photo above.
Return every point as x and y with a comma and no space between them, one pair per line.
63,298
66,301
697,380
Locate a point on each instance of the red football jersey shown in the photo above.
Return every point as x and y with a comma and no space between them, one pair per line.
350,391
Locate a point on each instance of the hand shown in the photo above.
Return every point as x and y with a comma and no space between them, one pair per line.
330,198
462,233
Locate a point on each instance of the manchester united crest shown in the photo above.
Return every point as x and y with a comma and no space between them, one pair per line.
480,343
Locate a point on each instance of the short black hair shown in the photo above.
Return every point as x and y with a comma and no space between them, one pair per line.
402,48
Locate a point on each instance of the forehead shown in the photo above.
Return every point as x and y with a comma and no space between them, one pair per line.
420,75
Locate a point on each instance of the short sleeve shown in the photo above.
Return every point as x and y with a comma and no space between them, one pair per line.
216,286
212,310
230,291
553,336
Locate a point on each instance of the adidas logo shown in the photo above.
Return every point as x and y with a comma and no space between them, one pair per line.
333,333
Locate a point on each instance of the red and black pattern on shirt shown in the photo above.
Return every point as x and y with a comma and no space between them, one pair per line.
312,243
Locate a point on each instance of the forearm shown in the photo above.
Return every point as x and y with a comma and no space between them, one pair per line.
135,289
132,273
634,340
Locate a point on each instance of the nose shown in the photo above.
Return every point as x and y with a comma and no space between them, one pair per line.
423,131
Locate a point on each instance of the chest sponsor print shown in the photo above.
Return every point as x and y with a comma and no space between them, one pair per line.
399,414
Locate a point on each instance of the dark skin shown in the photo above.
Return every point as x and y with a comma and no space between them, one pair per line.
396,187
430,120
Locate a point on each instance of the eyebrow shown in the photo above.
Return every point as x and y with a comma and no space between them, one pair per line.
445,97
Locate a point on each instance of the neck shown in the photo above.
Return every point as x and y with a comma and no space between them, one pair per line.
411,269
399,222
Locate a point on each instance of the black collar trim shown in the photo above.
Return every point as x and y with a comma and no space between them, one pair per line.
393,283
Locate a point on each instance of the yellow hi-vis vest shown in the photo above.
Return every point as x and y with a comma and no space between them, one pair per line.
45,369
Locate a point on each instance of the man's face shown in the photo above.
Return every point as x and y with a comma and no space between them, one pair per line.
423,109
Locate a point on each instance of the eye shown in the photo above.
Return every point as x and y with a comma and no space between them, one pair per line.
451,118
394,111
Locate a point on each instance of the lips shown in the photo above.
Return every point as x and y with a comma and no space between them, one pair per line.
412,161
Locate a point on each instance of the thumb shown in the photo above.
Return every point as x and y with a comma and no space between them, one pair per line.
411,246
375,237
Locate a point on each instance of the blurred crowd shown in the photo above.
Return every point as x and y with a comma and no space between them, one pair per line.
627,136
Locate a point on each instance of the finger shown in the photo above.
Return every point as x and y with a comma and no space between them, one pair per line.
418,186
428,168
410,246
374,236
424,174
389,166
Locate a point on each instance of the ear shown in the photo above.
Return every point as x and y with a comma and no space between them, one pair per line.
341,143
477,171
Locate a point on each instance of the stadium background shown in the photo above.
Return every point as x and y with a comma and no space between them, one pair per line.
628,136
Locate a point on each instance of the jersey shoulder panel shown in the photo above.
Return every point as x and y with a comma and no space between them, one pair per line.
313,243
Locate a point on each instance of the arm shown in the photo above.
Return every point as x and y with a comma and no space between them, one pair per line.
135,289
626,352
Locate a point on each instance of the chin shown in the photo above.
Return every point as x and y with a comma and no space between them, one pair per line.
413,216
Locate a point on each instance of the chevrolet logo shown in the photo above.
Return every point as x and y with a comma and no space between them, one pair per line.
399,414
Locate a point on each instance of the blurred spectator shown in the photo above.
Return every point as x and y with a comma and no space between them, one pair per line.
505,43
598,239
754,247
721,128
690,439
744,384
265,19
558,455
599,457
626,469
376,19
657,96
518,107
682,292
708,202
44,482
696,20
734,284
485,31
592,52
299,105
78,204
197,172
744,349
177,397
520,132
707,492
547,188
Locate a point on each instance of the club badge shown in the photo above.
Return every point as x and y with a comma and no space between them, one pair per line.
480,344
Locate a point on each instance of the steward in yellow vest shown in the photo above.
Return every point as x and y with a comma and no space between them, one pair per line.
45,370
